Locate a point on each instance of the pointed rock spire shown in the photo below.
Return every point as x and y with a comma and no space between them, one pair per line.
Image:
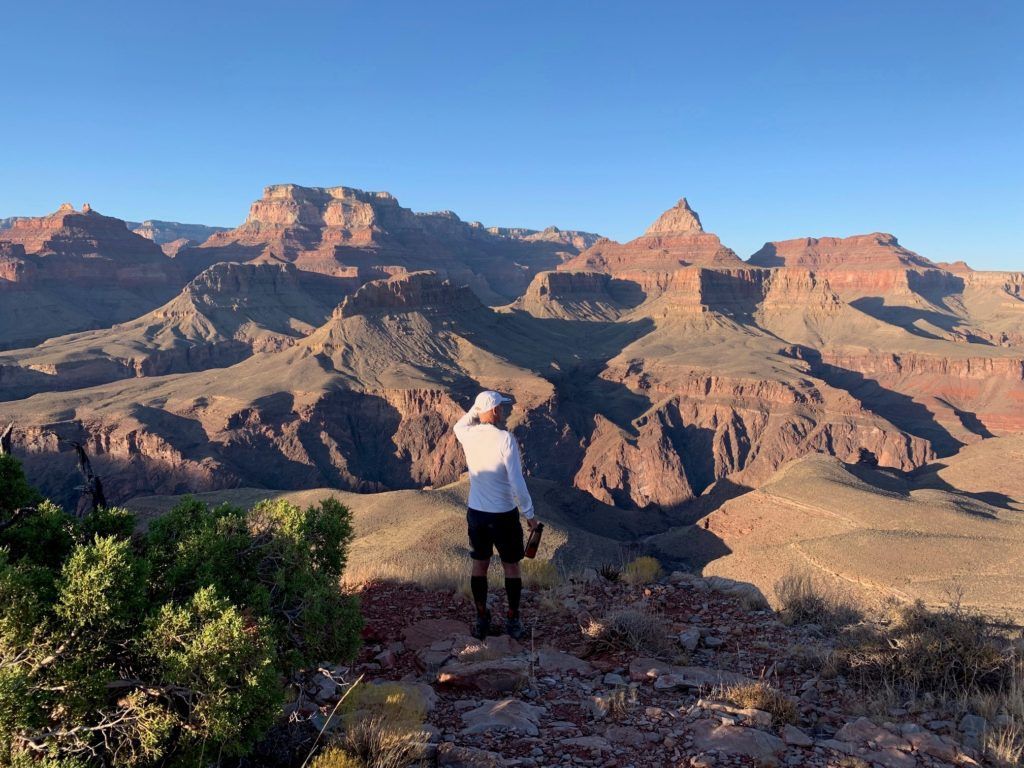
680,218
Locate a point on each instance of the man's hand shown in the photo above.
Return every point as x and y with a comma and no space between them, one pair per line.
532,523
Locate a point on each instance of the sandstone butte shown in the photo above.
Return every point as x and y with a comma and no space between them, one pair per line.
661,376
348,232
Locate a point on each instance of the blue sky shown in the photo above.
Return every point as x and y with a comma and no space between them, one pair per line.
776,120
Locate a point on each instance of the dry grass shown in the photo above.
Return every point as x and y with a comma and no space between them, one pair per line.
1005,745
760,695
376,742
381,727
952,658
449,572
443,573
630,629
540,574
804,601
643,570
950,654
335,757
1004,709
621,701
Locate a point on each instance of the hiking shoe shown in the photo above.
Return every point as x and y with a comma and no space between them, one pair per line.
482,628
514,629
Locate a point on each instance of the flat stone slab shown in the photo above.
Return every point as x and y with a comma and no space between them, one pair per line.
507,714
863,731
428,631
644,669
489,677
699,677
735,740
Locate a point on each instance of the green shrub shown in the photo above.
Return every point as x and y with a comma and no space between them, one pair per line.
162,647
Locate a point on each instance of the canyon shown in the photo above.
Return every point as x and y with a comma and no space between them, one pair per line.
332,338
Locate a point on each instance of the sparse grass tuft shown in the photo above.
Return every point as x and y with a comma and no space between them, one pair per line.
760,695
643,570
610,573
335,757
630,629
540,574
1005,745
381,727
803,601
951,658
621,701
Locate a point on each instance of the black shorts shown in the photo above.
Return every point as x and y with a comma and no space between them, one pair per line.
490,530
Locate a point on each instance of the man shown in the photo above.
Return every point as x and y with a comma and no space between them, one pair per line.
497,494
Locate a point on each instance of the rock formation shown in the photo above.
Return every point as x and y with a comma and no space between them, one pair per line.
875,251
348,232
340,350
675,240
165,232
222,316
74,270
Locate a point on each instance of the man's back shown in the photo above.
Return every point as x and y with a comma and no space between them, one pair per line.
495,467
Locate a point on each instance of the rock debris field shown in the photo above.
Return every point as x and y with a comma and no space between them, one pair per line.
558,699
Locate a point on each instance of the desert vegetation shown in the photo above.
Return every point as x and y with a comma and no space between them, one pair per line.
641,571
760,695
802,600
950,657
911,657
136,649
636,630
381,726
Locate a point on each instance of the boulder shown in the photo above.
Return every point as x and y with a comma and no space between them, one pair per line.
467,649
626,735
507,714
489,677
689,638
588,742
795,737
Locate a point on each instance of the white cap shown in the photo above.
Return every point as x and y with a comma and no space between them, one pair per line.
489,400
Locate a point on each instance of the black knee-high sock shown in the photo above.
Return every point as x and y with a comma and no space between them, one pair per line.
513,588
478,584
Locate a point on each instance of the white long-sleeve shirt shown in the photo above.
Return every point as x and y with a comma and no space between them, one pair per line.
496,482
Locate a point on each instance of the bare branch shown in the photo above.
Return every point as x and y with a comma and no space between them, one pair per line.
92,491
19,514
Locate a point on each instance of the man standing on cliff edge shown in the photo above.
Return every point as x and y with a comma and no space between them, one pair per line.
497,494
